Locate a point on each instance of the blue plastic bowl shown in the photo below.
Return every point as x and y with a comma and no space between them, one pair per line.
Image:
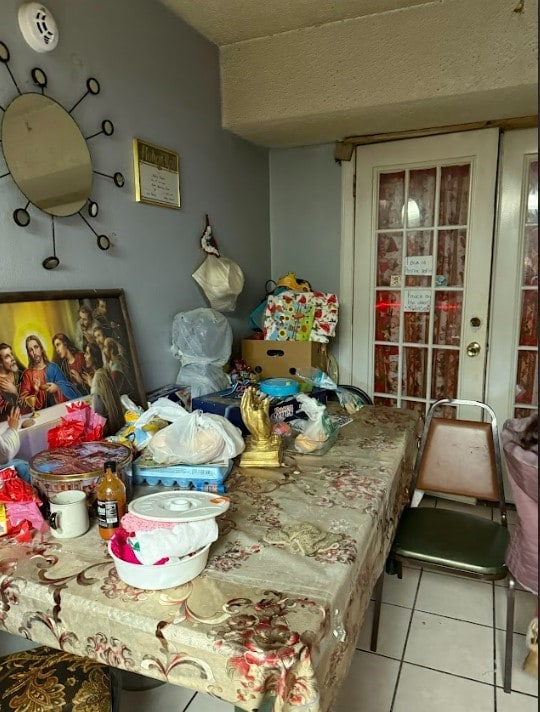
279,387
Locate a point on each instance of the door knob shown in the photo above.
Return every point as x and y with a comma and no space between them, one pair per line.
473,349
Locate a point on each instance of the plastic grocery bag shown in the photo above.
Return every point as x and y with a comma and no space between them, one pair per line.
202,341
318,427
347,399
195,439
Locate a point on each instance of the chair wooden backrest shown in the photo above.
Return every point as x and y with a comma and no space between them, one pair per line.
460,457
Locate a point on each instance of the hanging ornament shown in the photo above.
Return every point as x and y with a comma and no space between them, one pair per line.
208,242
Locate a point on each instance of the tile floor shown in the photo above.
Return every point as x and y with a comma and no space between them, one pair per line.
439,638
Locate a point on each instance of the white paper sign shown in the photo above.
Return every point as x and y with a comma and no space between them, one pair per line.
419,264
416,300
158,184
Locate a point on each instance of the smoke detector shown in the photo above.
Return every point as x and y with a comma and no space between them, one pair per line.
38,26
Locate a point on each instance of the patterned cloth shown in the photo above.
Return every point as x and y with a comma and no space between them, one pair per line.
300,316
45,679
265,617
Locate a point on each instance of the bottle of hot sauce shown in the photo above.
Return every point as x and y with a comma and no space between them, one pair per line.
111,500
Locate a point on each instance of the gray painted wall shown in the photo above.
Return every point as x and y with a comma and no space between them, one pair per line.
305,214
160,82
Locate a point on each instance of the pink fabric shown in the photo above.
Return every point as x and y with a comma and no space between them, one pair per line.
133,523
522,465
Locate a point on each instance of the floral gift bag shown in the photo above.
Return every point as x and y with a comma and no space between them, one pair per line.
300,316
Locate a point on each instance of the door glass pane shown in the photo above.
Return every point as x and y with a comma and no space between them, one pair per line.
444,373
391,199
389,256
419,283
421,203
387,313
416,327
419,244
386,369
526,392
447,321
454,197
414,372
451,258
532,195
530,257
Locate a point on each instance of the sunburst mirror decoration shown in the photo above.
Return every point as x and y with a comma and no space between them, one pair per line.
48,158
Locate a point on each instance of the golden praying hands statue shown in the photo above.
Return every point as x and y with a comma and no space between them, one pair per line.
263,449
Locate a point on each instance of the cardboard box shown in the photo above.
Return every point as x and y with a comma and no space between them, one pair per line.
281,359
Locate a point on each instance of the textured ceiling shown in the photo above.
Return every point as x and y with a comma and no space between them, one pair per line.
227,21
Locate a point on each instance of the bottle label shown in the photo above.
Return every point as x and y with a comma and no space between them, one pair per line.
107,514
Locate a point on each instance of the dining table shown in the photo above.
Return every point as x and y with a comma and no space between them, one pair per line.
273,620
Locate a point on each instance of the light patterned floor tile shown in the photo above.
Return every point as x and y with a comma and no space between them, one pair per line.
14,644
369,686
421,690
516,702
452,646
401,592
393,625
525,607
521,681
167,698
456,597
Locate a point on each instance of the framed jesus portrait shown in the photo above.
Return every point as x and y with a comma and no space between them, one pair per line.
62,346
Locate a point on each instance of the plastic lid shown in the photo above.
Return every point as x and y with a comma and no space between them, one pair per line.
179,506
279,387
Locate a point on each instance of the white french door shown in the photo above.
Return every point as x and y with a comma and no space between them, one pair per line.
512,378
423,233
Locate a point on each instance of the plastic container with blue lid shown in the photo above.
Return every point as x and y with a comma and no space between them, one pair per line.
279,387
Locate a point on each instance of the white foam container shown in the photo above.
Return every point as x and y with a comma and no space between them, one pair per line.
154,578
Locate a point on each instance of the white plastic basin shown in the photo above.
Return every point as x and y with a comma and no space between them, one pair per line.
168,575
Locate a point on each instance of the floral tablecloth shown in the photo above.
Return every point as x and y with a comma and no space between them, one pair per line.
278,608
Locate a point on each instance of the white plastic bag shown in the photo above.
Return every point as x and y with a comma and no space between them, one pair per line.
318,427
221,280
195,439
202,341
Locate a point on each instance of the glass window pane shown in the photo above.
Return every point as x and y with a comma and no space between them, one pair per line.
419,243
416,327
530,256
421,203
386,369
527,378
414,367
391,199
387,312
451,249
532,194
389,259
444,374
529,318
454,198
447,318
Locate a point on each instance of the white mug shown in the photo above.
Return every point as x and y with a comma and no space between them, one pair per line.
68,516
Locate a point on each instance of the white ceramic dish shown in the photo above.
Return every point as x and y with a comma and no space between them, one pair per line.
154,578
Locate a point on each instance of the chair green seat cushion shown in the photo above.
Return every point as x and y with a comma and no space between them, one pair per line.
456,540
46,679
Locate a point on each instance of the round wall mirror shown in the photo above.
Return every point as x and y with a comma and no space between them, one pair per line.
46,154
